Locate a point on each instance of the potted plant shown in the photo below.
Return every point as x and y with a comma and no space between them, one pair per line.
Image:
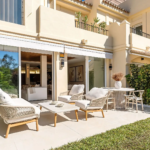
118,77
102,25
78,16
96,20
85,19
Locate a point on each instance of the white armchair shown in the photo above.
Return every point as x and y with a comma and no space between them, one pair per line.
17,111
73,95
94,101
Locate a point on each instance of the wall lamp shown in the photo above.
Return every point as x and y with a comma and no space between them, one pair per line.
110,66
61,56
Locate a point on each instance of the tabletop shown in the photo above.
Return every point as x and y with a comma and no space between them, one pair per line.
54,109
121,89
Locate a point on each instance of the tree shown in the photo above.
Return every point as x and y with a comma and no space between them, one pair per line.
8,72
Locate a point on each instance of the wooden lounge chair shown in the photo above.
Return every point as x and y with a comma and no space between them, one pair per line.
17,111
94,101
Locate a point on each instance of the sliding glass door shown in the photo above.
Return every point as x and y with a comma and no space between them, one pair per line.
9,73
96,72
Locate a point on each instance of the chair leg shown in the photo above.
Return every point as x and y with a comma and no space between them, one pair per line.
136,107
37,126
142,105
7,132
103,113
106,105
114,104
86,115
125,103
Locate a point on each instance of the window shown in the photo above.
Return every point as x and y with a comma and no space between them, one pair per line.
11,11
9,76
138,29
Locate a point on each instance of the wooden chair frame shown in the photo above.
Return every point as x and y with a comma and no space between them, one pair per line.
21,123
92,110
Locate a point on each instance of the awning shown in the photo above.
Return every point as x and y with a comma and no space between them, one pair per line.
140,53
87,52
30,44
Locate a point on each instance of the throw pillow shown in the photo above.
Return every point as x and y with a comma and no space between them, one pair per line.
76,89
5,99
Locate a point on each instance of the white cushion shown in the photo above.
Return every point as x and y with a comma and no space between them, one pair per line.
5,99
76,89
95,93
65,98
82,104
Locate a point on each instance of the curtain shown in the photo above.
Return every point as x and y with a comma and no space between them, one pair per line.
11,11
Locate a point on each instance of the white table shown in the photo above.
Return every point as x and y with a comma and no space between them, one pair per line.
53,109
119,95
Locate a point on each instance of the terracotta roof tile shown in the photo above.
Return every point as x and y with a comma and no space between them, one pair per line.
115,3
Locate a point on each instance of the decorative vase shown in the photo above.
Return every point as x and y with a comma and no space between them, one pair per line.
118,84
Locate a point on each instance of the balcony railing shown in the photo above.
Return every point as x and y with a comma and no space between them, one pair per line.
133,30
91,28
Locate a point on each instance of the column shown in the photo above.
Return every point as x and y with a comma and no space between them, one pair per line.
28,74
43,73
87,73
61,75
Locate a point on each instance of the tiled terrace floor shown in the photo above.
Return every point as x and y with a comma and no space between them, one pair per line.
67,130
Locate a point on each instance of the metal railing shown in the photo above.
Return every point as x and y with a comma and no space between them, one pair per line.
91,28
133,30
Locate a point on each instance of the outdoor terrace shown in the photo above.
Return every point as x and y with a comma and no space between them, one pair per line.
25,137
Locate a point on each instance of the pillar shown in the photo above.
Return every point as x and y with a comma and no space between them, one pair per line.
43,73
60,75
28,74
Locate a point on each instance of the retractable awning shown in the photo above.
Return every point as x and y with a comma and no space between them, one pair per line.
87,52
30,44
140,53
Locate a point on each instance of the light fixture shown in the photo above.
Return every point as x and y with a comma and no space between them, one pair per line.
61,56
83,41
142,58
110,66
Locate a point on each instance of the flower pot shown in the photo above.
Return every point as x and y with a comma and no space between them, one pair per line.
118,84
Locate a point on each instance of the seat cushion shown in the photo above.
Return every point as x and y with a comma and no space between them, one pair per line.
95,93
76,89
65,98
82,104
5,99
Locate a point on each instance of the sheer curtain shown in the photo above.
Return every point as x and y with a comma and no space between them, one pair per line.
11,11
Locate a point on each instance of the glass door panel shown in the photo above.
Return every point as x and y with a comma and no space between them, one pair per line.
96,72
9,76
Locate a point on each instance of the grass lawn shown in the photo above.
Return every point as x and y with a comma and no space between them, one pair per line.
134,136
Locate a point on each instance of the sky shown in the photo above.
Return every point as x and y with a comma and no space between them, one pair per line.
15,55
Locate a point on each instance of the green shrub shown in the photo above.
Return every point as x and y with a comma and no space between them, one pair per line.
140,80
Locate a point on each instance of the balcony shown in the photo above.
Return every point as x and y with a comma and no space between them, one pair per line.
139,42
91,28
133,30
57,26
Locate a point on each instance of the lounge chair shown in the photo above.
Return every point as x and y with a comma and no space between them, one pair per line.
17,111
73,95
94,101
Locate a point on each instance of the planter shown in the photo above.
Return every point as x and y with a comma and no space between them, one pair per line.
118,84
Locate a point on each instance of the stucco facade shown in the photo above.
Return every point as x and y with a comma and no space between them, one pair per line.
53,21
